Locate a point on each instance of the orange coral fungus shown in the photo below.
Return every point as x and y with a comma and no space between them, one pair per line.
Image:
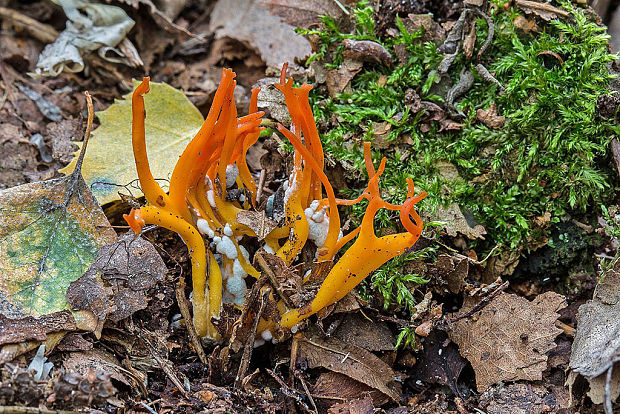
201,209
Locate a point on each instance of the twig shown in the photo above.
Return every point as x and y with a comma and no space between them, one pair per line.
473,261
288,391
615,150
149,409
89,127
293,359
131,371
541,6
478,307
261,184
191,330
8,409
308,394
568,330
164,364
40,31
249,343
607,396
490,32
8,91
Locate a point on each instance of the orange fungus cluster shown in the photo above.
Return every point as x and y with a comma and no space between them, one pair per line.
199,208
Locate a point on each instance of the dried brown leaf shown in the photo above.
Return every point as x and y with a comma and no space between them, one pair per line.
509,339
449,272
342,387
302,13
162,19
115,286
358,406
525,24
102,363
455,222
338,79
355,362
247,22
364,333
470,42
439,362
366,51
258,222
34,328
539,9
490,118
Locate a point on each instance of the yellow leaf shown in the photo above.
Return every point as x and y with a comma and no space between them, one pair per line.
171,122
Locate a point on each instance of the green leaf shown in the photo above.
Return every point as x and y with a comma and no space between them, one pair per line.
171,122
50,233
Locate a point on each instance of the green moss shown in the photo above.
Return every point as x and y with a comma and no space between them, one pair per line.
549,157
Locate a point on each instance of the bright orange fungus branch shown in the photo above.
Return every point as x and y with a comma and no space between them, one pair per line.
212,184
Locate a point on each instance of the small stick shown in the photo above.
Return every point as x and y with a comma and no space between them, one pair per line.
164,364
261,184
40,31
490,32
568,330
31,410
615,150
541,6
294,353
191,330
308,394
607,395
288,391
249,343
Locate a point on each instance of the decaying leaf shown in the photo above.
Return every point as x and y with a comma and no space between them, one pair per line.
247,22
103,363
350,360
524,399
455,222
13,331
449,272
50,233
469,42
164,20
509,339
257,221
302,13
358,406
525,24
271,100
490,117
366,51
597,341
115,286
171,121
335,385
364,333
338,79
91,27
439,363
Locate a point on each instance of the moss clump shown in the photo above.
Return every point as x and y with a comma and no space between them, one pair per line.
549,157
